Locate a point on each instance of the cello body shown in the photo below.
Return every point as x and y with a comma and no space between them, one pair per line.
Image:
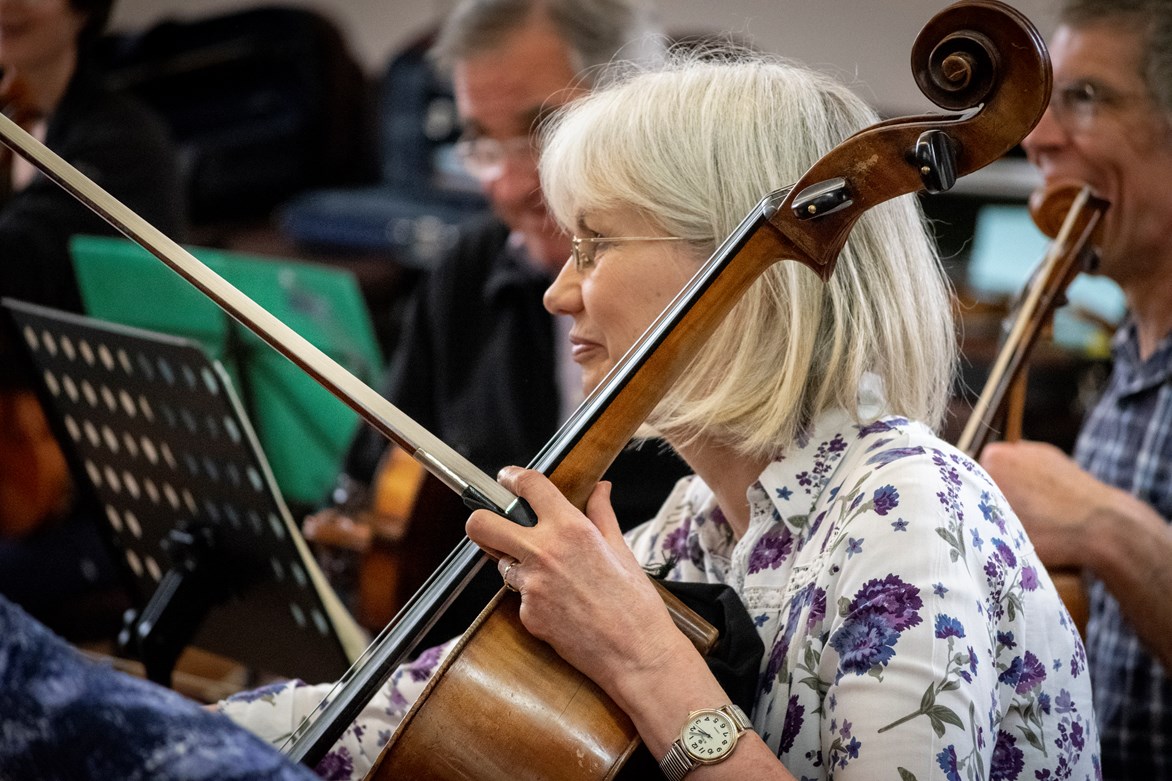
979,57
504,685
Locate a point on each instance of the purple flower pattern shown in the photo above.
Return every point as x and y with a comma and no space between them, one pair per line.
885,499
875,554
264,692
771,550
795,715
336,765
1008,759
822,637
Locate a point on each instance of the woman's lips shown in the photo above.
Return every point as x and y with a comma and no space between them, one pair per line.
580,349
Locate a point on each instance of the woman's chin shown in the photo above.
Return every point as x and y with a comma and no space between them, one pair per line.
592,377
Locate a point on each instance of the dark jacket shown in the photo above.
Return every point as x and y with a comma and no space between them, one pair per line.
476,366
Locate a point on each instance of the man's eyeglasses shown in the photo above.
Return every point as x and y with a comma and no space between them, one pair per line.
582,250
485,158
1078,104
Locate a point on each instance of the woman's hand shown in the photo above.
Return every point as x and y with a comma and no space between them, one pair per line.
582,590
584,593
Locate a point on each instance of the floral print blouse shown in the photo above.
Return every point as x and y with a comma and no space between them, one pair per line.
910,631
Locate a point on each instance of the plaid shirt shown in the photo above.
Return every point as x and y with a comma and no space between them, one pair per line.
1127,442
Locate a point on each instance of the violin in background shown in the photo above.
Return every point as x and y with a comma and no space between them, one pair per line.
380,546
1070,214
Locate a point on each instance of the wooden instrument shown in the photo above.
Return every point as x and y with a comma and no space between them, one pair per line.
389,539
980,57
35,486
871,166
1069,214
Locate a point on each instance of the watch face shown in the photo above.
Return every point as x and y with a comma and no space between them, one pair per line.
709,736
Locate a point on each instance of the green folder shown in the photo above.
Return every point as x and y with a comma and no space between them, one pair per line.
303,429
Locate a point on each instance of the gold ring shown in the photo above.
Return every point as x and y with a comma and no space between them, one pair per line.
505,575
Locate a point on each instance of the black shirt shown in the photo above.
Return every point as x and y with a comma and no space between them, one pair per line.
476,366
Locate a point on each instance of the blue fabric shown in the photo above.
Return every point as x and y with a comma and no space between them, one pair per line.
1127,442
64,717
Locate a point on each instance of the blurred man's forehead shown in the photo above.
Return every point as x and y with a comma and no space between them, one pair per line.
503,91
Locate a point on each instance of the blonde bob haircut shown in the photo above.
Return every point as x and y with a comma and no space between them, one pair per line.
693,147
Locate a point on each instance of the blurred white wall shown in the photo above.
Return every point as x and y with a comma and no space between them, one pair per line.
864,42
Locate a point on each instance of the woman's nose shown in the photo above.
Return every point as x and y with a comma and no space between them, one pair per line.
564,295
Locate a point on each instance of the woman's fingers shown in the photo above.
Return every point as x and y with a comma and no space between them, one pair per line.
601,513
496,536
501,537
508,566
533,487
563,533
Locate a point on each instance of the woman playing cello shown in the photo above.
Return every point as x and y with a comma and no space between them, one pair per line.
908,628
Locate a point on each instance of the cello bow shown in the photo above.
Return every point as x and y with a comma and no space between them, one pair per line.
980,58
965,57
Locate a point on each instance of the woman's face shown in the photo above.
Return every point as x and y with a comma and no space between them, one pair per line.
614,299
35,34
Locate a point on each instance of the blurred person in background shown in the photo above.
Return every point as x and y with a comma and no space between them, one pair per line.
1106,511
50,552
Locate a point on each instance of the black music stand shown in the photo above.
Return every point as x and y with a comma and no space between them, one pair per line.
158,432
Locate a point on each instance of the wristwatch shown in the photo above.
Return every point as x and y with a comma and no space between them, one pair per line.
708,737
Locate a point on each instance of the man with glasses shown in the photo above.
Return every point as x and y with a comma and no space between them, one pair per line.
1107,511
480,362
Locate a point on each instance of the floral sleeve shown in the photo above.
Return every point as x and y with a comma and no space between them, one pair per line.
273,712
929,650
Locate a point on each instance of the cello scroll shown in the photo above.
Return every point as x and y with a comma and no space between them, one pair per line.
808,223
979,57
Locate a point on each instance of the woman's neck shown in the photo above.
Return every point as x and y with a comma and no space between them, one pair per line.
728,474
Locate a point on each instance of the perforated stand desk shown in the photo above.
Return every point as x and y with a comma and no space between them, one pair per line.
157,430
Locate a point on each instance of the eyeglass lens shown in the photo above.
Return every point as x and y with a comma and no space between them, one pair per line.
485,157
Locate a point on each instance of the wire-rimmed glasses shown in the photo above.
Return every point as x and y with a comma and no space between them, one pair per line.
1076,105
484,158
583,249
